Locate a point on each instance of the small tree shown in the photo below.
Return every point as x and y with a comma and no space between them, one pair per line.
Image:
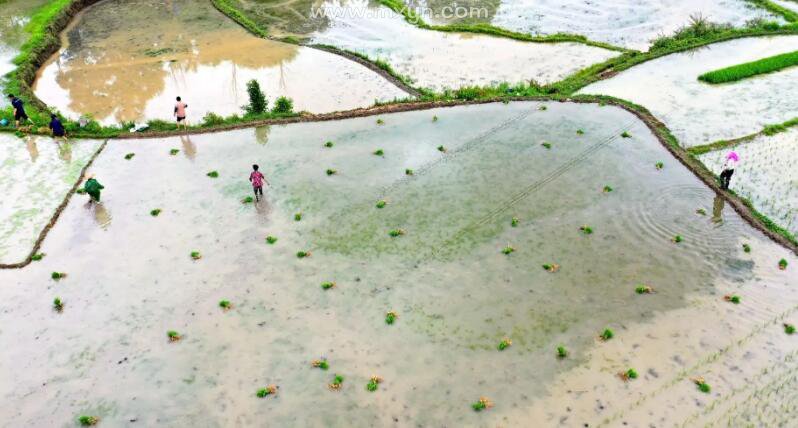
283,105
257,100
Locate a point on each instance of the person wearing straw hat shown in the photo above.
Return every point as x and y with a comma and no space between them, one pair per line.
93,187
732,161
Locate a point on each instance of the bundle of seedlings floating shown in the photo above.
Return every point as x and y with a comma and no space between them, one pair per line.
482,404
247,200
213,174
508,250
746,248
606,335
129,156
562,352
225,305
626,134
733,298
88,421
379,152
434,118
37,257
390,317
627,375
302,254
789,328
195,255
580,132
783,264
327,285
173,336
58,275
337,382
505,343
543,108
155,212
546,145
329,144
677,239
587,230
442,149
320,364
659,165
58,305
701,211
373,383
408,171
551,267
380,122
174,152
701,384
265,392
298,216
644,289
514,222
331,171
381,203
271,239
81,191
607,189
396,233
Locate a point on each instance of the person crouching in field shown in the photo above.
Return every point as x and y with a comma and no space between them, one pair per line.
257,180
92,187
59,133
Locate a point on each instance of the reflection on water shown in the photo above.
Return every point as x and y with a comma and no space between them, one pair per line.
128,60
717,209
101,214
457,295
189,148
33,150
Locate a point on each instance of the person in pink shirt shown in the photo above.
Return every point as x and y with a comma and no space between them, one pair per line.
257,180
180,113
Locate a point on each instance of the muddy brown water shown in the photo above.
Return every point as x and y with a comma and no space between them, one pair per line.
130,279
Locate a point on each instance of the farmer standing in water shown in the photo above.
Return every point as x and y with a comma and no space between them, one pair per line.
19,110
257,179
732,161
180,113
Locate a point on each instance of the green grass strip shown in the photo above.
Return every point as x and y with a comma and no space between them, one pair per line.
768,130
226,8
787,14
750,69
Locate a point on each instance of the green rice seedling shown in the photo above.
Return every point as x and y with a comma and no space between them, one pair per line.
434,118
129,156
551,267
514,222
213,174
562,352
587,230
58,305
580,132
783,264
643,289
267,391
298,216
174,152
508,250
87,421
543,108
337,382
677,239
373,383
327,285
37,257
442,149
381,204
482,404
750,69
81,191
195,255
746,248
329,144
504,344
58,275
380,122
408,171
659,165
173,336
379,152
156,212
627,375
331,171
546,145
701,211
271,239
607,334
607,189
225,305
789,329
390,317
702,385
626,134
396,233
320,364
247,200
733,298
302,254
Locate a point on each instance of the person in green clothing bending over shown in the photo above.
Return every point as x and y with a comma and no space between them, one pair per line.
93,187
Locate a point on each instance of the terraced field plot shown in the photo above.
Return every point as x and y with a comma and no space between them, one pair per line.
456,293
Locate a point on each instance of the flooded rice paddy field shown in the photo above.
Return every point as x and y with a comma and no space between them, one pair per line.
36,174
14,16
128,60
629,23
131,279
767,175
438,60
699,113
